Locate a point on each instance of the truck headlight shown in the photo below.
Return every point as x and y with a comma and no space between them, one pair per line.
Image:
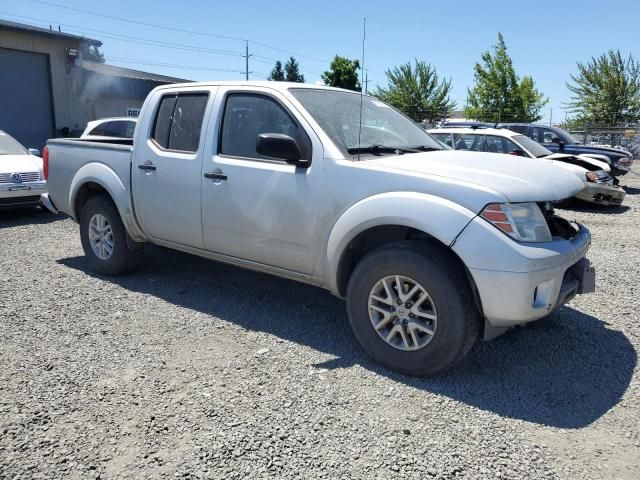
521,221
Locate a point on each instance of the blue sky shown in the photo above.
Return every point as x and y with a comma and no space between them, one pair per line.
545,38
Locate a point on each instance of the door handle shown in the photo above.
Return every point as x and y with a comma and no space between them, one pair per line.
216,175
147,166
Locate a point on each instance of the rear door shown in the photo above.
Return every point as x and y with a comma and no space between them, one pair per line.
167,166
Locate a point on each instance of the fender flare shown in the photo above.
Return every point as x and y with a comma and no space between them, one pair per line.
435,216
104,176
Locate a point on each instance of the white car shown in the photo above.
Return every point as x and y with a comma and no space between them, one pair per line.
21,176
110,128
599,185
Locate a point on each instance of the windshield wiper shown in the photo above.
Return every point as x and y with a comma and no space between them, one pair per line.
423,148
375,149
378,149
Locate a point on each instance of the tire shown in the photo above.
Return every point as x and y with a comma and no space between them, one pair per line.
457,323
121,258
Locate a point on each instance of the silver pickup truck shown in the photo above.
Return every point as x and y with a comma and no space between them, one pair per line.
431,248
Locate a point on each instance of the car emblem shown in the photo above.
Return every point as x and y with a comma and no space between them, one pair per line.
16,178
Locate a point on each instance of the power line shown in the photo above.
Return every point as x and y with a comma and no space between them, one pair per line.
173,65
175,29
130,38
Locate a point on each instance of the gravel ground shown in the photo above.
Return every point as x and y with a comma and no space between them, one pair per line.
193,369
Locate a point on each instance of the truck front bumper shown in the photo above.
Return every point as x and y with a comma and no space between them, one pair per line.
602,194
522,282
21,194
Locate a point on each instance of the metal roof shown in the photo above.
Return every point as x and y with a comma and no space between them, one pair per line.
114,71
23,27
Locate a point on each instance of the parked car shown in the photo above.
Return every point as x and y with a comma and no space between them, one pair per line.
599,185
21,177
429,250
560,141
110,128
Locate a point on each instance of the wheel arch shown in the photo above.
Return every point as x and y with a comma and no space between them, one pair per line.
389,218
96,178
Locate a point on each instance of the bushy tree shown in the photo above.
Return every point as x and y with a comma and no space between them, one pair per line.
277,74
343,73
92,54
498,94
292,72
417,92
606,90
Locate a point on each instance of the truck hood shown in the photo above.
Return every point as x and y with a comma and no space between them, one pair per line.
20,163
516,178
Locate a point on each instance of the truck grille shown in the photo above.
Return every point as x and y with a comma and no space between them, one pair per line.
25,177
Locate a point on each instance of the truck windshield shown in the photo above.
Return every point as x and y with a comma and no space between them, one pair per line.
10,146
570,139
384,129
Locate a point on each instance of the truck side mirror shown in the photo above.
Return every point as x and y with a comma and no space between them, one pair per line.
281,147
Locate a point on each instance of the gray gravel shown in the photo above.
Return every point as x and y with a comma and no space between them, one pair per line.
193,369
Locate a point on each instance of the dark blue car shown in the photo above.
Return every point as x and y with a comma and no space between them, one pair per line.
557,140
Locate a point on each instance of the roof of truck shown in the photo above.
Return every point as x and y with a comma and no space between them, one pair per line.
281,86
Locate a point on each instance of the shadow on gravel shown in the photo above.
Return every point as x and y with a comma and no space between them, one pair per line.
563,372
27,216
632,190
579,206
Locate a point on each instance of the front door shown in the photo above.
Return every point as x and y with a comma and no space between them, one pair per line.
258,208
167,168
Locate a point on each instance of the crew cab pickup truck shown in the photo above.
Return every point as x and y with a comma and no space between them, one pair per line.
430,247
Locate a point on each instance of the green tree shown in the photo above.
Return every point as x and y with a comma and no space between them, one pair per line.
498,94
277,74
292,72
343,73
417,92
606,90
92,53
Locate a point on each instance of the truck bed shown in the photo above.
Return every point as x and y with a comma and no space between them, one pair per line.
70,159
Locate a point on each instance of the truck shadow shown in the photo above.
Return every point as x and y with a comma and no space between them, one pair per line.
564,372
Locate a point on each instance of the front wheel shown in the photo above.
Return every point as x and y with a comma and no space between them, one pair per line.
104,238
412,309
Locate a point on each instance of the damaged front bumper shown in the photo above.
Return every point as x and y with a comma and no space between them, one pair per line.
602,194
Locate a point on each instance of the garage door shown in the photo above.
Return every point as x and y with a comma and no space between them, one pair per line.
25,97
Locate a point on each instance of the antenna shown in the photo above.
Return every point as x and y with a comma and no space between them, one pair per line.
364,36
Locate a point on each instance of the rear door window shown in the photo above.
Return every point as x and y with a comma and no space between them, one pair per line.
178,121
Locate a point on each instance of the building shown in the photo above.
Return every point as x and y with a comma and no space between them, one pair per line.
48,90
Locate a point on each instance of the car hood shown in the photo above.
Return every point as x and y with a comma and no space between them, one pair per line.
20,163
516,178
585,162
603,150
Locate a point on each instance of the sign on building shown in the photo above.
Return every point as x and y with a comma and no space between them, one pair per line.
133,112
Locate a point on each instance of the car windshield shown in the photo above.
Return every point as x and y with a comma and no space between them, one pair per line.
383,127
10,146
532,146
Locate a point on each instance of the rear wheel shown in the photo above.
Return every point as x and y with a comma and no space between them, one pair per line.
104,239
412,308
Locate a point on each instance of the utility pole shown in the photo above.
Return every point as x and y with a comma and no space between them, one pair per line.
246,58
366,82
551,118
